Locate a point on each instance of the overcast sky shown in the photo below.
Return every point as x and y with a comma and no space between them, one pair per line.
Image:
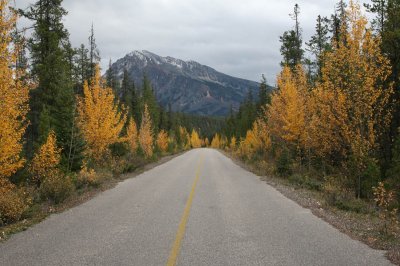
236,37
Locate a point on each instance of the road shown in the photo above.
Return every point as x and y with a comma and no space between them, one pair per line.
197,209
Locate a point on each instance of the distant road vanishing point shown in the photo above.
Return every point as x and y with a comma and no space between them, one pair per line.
197,209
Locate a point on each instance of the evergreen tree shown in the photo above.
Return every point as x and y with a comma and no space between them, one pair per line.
94,54
319,42
136,110
391,48
379,7
149,99
264,97
111,78
339,23
291,48
127,91
82,68
51,68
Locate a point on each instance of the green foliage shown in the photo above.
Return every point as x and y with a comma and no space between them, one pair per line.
284,163
119,149
291,48
49,47
149,98
352,205
305,181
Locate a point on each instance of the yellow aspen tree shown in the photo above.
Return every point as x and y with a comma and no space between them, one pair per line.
132,135
184,138
253,141
232,144
99,118
14,96
195,139
207,142
146,137
352,78
286,113
162,140
216,141
45,162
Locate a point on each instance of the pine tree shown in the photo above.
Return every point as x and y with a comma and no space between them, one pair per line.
264,97
339,23
111,79
319,42
94,54
291,48
150,100
51,68
82,68
379,7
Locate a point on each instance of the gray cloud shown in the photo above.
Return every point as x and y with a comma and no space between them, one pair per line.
240,38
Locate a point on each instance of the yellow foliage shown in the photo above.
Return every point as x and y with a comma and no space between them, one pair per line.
14,96
184,137
286,114
195,139
132,135
216,141
348,105
45,162
146,133
206,142
232,144
162,140
385,199
99,119
88,176
252,143
12,203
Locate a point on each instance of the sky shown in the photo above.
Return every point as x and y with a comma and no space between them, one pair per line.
239,38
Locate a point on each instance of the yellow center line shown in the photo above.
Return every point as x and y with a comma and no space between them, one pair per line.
173,256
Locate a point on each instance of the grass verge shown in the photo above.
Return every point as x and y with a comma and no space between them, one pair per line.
356,218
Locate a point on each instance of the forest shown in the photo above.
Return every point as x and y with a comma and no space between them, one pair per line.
331,124
64,129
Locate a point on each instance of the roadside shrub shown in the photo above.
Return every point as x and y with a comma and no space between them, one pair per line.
333,191
385,200
305,181
119,149
352,205
56,187
283,164
13,202
370,178
87,177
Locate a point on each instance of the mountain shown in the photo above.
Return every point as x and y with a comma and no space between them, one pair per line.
187,85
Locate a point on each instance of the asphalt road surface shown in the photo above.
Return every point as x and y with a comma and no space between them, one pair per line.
197,209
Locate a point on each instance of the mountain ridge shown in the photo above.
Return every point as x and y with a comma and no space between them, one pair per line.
187,86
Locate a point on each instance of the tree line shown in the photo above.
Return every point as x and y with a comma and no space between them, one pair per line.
65,129
335,113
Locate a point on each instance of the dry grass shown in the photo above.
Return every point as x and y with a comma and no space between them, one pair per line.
363,226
